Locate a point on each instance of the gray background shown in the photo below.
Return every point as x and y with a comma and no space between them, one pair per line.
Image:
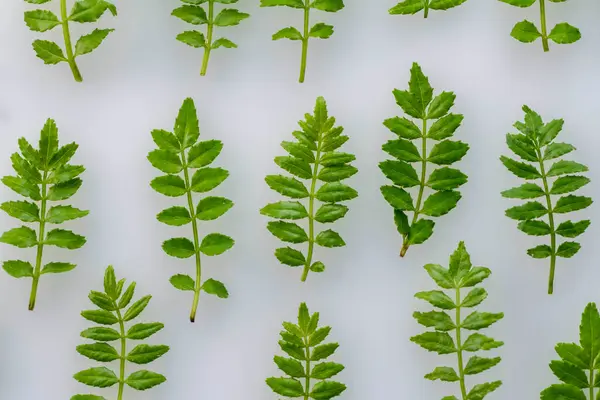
137,80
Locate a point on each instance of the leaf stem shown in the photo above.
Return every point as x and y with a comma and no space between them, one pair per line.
123,352
550,220
40,246
305,40
592,379
307,381
406,245
68,45
209,36
426,8
544,28
192,211
311,210
461,369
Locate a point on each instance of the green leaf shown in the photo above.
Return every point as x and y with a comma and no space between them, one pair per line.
446,179
568,249
541,251
445,4
98,377
288,33
287,232
326,390
230,17
64,190
127,296
323,351
290,367
566,167
101,300
476,276
535,228
441,203
326,370
183,282
289,256
295,166
211,208
144,354
403,127
101,334
567,184
289,187
60,214
519,3
447,152
570,230
480,320
401,221
216,288
562,392
441,105
206,179
285,210
335,192
41,20
437,298
522,170
527,211
420,231
288,3
407,7
407,102
136,308
88,43
215,244
98,351
166,140
403,150
337,173
445,374
526,32
572,203
22,210
439,342
285,386
522,146
573,354
555,150
478,392
399,172
143,380
169,185
192,38
191,14
18,269
204,153
328,213
143,331
570,374
179,247
328,5
476,365
525,191
222,42
329,238
474,298
420,89
22,237
564,33
398,198
477,342
101,317
90,10
299,150
175,216
321,31
438,320
64,239
166,161
186,127
317,267
445,127
548,132
22,187
65,173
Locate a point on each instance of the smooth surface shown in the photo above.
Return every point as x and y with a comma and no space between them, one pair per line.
250,100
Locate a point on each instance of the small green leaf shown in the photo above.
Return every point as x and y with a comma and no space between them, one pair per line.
88,43
437,298
321,31
288,387
136,308
572,203
570,230
328,5
41,20
564,33
18,269
445,374
289,256
525,191
175,216
555,150
441,203
211,208
325,390
403,150
535,228
527,211
22,210
183,282
101,334
143,331
289,187
98,377
169,185
420,231
204,153
329,238
525,32
566,392
476,365
400,172
288,33
290,367
317,267
166,161
64,239
438,320
445,127
206,179
566,167
215,244
570,374
98,351
567,184
230,17
541,251
215,287
328,213
326,370
520,169
222,42
191,14
335,192
568,249
22,237
441,105
179,247
143,380
439,342
285,210
479,320
323,351
474,298
101,317
192,38
448,152
144,354
403,127
446,179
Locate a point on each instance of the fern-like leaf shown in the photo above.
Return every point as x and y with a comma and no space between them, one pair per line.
449,334
313,157
45,177
536,147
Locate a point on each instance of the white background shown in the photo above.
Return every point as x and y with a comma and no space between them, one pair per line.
137,80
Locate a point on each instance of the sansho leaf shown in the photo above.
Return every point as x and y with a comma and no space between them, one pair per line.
45,176
314,158
186,160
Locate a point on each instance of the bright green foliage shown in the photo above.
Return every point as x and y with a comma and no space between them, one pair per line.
114,310
193,12
448,335
83,11
179,154
45,177
414,6
437,192
527,32
536,147
317,31
303,342
313,157
578,364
